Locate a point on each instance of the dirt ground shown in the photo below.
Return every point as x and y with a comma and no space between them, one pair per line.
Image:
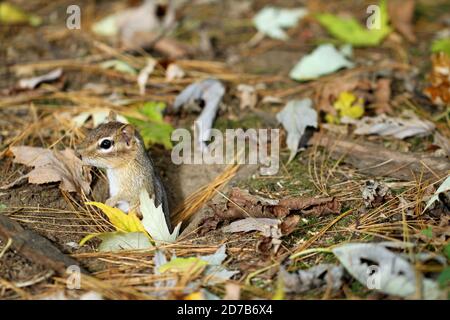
34,118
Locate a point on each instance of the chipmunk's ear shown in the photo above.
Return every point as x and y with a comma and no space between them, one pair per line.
127,133
112,116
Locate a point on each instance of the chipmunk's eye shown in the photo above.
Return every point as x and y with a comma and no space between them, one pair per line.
106,144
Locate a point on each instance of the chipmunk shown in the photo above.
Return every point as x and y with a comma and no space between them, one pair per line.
119,148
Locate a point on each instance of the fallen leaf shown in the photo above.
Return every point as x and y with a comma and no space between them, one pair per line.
443,188
154,130
271,21
268,227
399,128
375,266
11,14
118,65
347,106
375,194
174,72
242,204
312,206
117,241
248,96
52,166
319,276
383,96
154,220
144,74
208,92
32,83
183,265
195,296
210,266
124,224
401,13
442,142
349,30
296,116
289,224
121,221
325,59
439,91
329,92
441,45
215,272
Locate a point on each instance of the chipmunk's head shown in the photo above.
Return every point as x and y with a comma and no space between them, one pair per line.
110,145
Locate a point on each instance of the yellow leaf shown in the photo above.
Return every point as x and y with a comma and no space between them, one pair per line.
120,220
88,237
11,14
195,296
348,105
279,290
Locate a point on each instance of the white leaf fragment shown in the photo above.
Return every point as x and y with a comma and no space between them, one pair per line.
325,59
174,72
378,268
31,83
296,116
214,271
444,187
154,220
117,241
210,91
144,74
271,21
399,128
268,227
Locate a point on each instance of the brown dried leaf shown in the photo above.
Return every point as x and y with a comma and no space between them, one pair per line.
52,166
329,92
439,91
242,204
289,224
383,96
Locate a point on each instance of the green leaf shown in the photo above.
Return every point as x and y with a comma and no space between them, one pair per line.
447,251
155,129
153,110
106,26
351,31
182,265
441,45
118,65
11,14
444,278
